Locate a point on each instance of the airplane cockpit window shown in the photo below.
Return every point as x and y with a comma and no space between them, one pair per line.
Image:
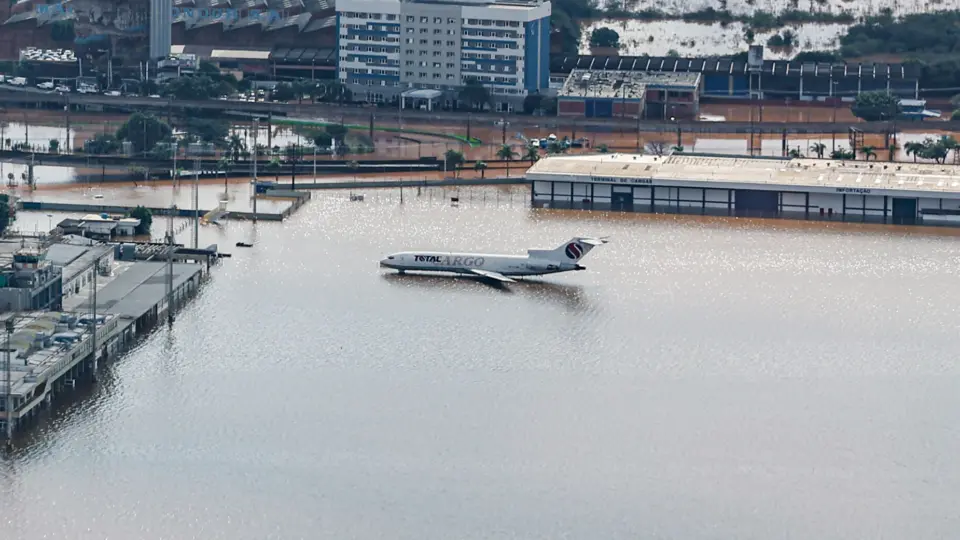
390,258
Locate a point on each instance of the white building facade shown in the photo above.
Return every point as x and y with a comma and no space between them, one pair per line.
387,47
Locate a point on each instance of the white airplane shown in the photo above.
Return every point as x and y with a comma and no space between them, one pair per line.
497,267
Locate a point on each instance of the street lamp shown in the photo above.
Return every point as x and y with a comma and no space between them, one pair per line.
49,223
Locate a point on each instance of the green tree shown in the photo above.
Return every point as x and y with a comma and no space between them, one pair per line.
794,154
605,37
338,132
236,146
677,148
322,139
819,149
146,219
7,212
873,106
453,159
102,144
54,146
208,131
507,154
283,92
143,131
205,86
475,94
842,154
533,154
914,149
480,166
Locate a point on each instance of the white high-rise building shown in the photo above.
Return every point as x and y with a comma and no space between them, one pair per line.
390,47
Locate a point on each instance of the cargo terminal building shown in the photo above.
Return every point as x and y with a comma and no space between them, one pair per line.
814,189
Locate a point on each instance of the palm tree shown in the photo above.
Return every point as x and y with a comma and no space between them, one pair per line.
603,149
795,153
533,154
868,152
480,166
677,148
236,146
507,154
950,143
914,148
819,149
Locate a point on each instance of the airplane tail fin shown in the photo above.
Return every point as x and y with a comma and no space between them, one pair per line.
570,251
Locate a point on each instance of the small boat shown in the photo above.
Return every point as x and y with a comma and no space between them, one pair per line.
244,244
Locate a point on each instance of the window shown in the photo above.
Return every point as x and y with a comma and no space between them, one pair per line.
423,42
437,20
391,17
451,20
410,30
436,75
437,31
424,20
410,18
450,65
409,40
451,32
423,30
423,75
449,76
409,62
409,74
437,65
437,53
437,42
451,54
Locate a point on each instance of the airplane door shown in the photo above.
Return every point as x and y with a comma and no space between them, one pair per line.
621,201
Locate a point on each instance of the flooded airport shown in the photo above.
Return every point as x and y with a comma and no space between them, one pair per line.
703,378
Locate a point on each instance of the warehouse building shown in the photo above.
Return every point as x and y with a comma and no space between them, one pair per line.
814,189
629,94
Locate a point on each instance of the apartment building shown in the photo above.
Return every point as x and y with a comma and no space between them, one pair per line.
416,48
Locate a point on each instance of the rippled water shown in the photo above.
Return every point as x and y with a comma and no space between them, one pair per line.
702,379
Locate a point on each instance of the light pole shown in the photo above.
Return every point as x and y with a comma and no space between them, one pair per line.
49,222
8,406
256,128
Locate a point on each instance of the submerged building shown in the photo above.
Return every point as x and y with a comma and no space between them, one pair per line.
814,189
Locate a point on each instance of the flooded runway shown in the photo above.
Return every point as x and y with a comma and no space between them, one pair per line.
703,378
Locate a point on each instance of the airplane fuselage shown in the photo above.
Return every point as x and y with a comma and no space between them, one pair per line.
466,263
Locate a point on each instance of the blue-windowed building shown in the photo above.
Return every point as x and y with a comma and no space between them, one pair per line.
388,47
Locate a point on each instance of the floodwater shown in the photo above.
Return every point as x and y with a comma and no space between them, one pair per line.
688,39
704,378
745,7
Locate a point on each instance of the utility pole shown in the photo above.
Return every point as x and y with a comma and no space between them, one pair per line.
8,404
196,205
169,269
66,109
256,128
93,304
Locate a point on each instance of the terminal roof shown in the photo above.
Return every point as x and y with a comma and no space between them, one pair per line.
942,180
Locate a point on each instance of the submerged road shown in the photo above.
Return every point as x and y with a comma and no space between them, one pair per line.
386,116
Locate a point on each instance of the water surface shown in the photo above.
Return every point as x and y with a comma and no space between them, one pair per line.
702,379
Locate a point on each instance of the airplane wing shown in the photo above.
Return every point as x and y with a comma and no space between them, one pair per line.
491,275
